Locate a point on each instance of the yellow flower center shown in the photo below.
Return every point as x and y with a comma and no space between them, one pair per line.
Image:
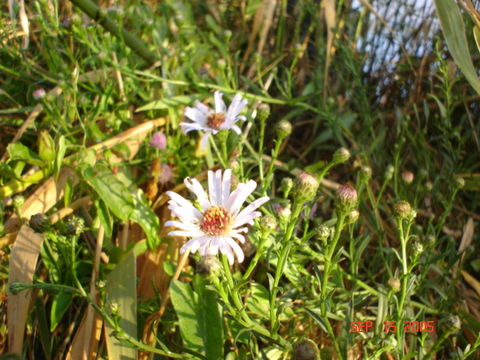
216,221
216,120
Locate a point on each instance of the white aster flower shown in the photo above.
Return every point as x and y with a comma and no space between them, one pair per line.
212,121
218,221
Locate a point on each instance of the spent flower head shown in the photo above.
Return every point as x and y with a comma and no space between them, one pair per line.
159,140
39,93
407,177
402,209
212,121
217,222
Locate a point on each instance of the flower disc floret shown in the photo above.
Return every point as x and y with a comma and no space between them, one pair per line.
216,221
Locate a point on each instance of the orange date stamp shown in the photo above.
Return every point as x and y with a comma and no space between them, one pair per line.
393,326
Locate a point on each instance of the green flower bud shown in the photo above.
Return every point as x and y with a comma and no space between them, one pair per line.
389,172
341,155
395,284
428,186
418,247
39,222
268,224
352,216
284,129
208,265
323,233
402,209
306,187
75,226
305,350
263,112
460,182
17,287
366,173
286,185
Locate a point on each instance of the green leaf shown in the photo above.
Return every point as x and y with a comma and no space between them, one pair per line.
199,318
454,30
258,302
185,303
121,290
166,103
61,150
7,172
60,305
20,152
122,203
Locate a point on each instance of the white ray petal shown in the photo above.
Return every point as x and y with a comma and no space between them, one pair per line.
246,219
253,206
226,184
194,186
238,197
236,248
196,115
219,103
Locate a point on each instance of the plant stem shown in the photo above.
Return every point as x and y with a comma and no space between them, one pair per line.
282,260
100,16
268,177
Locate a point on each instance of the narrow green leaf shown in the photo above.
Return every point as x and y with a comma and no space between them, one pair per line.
454,30
166,103
121,290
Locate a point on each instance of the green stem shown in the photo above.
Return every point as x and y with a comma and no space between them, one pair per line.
269,175
219,154
328,259
100,16
256,258
282,260
17,186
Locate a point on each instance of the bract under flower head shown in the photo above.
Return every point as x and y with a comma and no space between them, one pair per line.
212,121
218,221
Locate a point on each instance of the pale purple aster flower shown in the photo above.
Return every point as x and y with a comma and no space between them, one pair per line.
159,140
217,222
212,121
39,93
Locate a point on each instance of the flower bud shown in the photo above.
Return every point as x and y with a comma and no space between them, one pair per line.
460,182
395,284
366,173
418,247
16,287
306,187
208,265
323,233
407,177
452,323
263,112
352,217
39,222
284,129
75,226
18,202
346,200
39,93
389,172
46,146
286,185
402,209
305,350
428,186
159,140
268,224
114,308
341,155
284,212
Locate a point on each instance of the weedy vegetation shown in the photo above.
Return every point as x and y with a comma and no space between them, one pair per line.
326,207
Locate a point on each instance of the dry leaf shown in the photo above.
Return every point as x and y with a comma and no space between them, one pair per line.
474,283
23,261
